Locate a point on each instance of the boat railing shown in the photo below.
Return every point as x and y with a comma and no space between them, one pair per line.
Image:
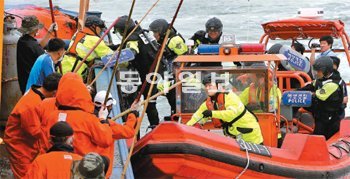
284,79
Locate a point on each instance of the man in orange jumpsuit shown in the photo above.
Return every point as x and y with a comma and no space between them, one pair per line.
58,161
22,132
119,131
74,105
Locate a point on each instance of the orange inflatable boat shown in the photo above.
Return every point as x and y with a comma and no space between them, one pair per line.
175,150
67,24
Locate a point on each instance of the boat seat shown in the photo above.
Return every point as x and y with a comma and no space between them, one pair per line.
287,112
303,147
307,119
294,130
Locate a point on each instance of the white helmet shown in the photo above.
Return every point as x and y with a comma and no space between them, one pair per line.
100,97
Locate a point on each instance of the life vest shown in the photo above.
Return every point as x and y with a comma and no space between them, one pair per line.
220,105
78,37
256,95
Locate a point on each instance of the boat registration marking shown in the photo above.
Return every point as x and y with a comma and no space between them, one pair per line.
254,148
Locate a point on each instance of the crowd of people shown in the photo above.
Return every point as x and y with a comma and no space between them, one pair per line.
60,121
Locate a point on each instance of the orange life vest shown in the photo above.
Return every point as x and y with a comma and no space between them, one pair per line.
254,95
79,37
221,106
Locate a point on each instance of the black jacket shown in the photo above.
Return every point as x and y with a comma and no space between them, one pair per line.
147,54
28,50
333,103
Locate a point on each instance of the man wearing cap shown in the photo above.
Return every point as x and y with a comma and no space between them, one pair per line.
119,131
22,131
56,163
99,102
211,35
28,48
91,166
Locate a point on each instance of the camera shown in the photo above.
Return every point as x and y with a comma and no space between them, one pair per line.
315,45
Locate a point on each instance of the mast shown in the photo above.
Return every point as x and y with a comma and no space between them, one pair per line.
83,8
1,39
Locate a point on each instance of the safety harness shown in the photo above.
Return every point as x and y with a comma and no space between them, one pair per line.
221,106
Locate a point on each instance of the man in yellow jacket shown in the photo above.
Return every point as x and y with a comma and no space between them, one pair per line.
253,96
82,42
227,110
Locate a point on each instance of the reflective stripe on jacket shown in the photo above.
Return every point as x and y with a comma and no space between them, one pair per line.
81,44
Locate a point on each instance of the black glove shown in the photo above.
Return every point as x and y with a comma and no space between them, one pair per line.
207,113
114,47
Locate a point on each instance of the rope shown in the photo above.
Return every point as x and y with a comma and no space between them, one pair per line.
248,161
340,152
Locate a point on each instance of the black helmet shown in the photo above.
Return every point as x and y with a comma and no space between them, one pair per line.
94,20
336,61
324,64
298,47
275,49
120,25
209,78
213,24
160,26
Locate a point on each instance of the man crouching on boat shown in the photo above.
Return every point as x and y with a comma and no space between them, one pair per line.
227,111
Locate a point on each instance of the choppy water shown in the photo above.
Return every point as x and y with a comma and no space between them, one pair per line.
240,17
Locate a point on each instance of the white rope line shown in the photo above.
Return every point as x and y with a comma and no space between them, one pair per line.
247,165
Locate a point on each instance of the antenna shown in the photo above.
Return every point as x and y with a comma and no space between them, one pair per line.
248,23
